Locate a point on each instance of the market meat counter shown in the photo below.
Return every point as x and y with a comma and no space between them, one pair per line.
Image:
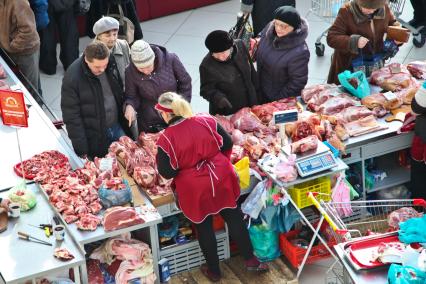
16,264
39,136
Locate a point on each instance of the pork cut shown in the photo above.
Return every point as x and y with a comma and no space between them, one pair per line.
304,145
309,92
362,126
392,77
379,100
226,124
145,176
149,141
265,112
120,217
417,69
336,104
246,121
88,222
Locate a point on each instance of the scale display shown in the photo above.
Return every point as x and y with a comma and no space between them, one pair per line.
316,164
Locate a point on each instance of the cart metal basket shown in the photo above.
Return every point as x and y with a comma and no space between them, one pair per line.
360,218
327,10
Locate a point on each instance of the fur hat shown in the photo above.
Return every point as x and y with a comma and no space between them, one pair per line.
288,15
218,41
371,4
105,24
142,54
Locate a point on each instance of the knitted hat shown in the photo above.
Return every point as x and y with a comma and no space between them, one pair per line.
218,41
105,24
371,4
142,54
288,15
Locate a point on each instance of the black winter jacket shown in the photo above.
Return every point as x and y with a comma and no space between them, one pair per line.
83,110
61,5
282,63
219,79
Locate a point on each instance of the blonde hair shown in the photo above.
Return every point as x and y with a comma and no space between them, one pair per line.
176,103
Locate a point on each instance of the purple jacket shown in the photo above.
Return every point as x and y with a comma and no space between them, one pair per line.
282,63
143,91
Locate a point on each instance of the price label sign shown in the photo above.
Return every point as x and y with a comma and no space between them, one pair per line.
13,109
281,117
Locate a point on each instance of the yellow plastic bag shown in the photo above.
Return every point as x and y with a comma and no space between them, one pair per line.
242,168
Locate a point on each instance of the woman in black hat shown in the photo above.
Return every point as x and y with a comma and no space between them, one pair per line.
283,55
227,75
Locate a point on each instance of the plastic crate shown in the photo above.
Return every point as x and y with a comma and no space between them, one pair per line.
299,192
188,256
295,254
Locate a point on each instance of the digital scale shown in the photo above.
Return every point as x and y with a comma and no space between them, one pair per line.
314,161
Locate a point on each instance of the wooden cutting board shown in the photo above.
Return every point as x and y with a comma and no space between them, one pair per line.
138,198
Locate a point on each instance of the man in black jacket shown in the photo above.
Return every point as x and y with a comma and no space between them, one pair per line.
92,102
227,75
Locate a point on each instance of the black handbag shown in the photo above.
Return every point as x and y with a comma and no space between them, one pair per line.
242,30
126,28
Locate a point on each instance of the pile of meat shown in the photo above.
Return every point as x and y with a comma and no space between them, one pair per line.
126,259
417,69
396,78
139,160
40,164
304,145
253,132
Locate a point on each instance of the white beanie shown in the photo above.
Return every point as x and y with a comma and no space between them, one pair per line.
105,24
142,54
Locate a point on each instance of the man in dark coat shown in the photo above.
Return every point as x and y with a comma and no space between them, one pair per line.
227,75
263,11
351,32
152,71
92,101
283,56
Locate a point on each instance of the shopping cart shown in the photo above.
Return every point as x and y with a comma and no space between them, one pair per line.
360,218
327,10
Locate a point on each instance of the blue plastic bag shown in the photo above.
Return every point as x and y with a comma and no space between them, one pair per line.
398,274
265,243
110,198
361,88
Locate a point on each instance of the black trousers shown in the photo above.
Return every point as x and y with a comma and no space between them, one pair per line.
419,7
418,179
66,26
237,230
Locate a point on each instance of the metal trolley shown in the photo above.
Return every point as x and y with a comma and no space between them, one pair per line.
328,10
361,218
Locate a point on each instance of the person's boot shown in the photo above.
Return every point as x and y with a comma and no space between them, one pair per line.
253,264
213,277
3,219
415,22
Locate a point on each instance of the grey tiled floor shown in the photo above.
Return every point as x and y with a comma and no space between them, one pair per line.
184,34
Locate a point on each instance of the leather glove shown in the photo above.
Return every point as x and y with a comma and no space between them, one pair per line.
223,103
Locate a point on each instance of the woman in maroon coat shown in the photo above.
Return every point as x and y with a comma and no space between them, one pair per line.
195,151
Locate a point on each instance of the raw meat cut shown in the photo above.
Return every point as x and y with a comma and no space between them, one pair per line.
379,111
94,272
310,91
120,217
392,77
379,100
336,104
2,72
149,141
407,94
401,215
349,114
88,222
265,112
341,132
364,125
225,123
303,129
62,254
145,176
46,160
304,145
417,69
237,153
246,121
238,137
321,97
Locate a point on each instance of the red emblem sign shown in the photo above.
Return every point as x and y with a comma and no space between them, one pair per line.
13,109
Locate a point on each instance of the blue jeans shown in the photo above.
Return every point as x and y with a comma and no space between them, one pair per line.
114,133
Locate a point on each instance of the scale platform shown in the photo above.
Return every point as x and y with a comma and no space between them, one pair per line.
314,161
